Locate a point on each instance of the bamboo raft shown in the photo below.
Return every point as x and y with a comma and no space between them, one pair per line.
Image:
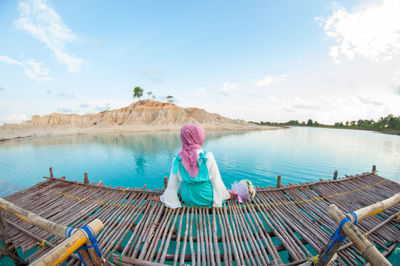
284,225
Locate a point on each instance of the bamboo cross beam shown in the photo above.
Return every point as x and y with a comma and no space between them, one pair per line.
56,229
366,248
70,245
361,214
34,219
375,208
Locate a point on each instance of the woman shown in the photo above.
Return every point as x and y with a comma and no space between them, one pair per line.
196,173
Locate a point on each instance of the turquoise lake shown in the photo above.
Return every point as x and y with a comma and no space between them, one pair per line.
133,160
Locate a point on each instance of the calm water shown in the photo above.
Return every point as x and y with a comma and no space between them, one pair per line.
133,160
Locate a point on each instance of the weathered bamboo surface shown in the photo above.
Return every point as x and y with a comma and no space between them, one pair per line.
286,225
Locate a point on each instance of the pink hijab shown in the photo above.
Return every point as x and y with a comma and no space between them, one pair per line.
192,137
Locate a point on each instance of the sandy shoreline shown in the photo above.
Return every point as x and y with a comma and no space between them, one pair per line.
27,134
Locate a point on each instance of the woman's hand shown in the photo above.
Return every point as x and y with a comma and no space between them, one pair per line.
233,196
155,198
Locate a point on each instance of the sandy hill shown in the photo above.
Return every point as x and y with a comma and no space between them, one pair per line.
145,115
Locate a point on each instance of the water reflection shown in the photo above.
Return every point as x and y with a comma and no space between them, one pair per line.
133,160
151,143
140,164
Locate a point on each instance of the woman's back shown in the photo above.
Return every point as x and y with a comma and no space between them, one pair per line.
197,191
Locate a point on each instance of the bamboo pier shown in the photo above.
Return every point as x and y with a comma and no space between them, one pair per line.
284,225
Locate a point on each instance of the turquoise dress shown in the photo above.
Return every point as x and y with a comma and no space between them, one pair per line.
197,191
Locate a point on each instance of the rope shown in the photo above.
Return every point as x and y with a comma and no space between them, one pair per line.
116,252
314,259
355,217
92,239
241,206
41,244
336,237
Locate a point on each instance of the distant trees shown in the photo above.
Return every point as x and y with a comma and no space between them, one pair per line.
293,123
170,98
388,124
137,93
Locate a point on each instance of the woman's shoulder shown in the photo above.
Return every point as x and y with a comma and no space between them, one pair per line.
208,155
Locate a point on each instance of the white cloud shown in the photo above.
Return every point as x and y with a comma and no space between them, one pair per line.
33,69
64,110
60,94
201,92
369,101
372,32
37,71
270,80
396,89
43,23
228,86
15,118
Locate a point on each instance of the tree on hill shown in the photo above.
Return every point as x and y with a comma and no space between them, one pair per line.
170,98
137,93
149,93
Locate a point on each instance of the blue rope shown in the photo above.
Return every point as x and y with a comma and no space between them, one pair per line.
68,231
355,217
92,239
336,236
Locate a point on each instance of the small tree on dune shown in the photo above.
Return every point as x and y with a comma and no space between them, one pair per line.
149,93
170,98
137,93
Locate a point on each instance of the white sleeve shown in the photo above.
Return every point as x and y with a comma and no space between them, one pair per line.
220,193
170,195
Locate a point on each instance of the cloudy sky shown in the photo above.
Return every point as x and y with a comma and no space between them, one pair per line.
254,60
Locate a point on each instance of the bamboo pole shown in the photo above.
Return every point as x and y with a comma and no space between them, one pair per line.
49,226
132,261
376,208
278,181
165,182
34,219
86,179
366,248
70,245
8,249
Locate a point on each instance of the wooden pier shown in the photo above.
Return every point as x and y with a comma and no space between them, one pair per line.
285,225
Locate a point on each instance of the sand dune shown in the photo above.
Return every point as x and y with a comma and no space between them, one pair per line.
145,115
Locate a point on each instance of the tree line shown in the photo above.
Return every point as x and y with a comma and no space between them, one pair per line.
389,124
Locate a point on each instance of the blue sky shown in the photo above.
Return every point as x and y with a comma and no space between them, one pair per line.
253,60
